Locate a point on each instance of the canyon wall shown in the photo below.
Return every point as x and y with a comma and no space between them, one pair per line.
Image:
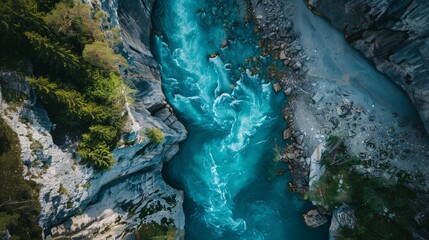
393,35
79,202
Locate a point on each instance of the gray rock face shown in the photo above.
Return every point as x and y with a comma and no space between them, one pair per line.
342,216
393,35
133,192
5,235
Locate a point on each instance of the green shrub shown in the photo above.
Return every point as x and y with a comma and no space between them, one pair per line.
328,193
94,147
62,190
155,135
98,156
105,87
8,220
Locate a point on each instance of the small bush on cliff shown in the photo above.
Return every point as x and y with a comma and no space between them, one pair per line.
105,87
155,135
62,190
94,147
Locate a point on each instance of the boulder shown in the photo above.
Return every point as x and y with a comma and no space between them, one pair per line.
299,139
347,102
317,97
277,87
297,66
282,55
314,218
287,133
288,91
286,62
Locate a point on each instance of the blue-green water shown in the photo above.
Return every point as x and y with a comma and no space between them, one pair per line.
226,166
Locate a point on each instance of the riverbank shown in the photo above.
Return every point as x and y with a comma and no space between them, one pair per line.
333,90
390,34
283,43
328,97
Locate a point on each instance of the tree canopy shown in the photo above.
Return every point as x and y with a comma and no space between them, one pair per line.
76,63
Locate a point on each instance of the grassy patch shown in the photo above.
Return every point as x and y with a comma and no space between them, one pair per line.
19,205
62,190
36,145
155,135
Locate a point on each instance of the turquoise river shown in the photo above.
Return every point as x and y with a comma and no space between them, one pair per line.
227,165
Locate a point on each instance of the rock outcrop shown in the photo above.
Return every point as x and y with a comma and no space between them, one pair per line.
393,35
314,218
78,202
343,216
316,168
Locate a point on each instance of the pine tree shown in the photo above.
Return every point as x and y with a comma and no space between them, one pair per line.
54,54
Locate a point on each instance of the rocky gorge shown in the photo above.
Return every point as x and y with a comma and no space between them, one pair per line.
330,89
